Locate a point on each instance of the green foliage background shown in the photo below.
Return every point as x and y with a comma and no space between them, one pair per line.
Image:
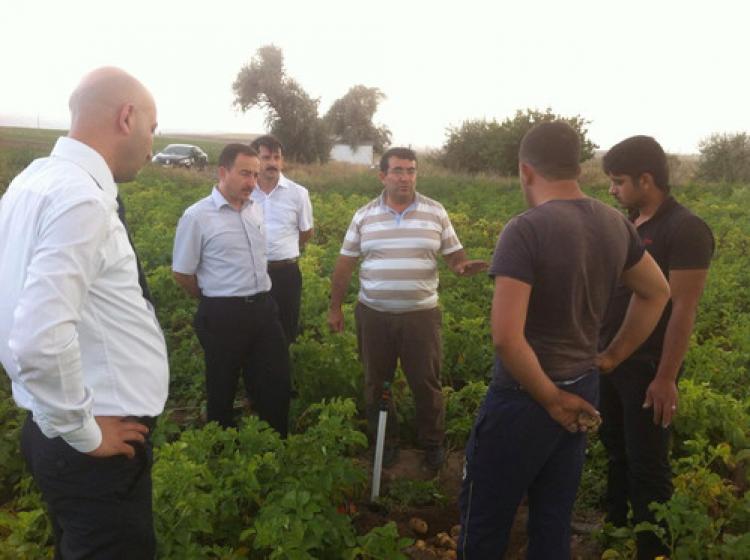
245,493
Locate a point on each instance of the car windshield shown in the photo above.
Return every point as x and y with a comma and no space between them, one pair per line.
176,150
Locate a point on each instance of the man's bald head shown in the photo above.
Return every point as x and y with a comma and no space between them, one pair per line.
115,114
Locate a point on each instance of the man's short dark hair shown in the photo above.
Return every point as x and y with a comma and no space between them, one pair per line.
400,153
271,143
553,149
231,151
635,156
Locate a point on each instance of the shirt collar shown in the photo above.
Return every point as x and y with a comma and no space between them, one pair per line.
411,206
283,181
88,159
219,200
663,208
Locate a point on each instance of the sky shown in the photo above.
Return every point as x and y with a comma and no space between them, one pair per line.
675,70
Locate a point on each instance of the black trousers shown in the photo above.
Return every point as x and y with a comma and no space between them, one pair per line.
286,289
638,450
244,335
99,508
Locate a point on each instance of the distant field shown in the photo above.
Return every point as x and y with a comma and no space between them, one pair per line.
42,140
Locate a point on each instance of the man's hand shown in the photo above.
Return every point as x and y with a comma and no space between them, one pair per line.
661,395
336,319
567,408
116,433
470,268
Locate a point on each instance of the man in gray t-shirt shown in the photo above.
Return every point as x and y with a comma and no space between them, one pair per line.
555,267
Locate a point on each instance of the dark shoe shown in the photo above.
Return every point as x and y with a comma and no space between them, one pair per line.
390,456
434,456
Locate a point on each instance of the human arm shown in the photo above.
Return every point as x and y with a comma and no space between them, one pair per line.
650,295
459,264
686,287
342,274
304,237
305,219
44,340
188,282
186,254
509,307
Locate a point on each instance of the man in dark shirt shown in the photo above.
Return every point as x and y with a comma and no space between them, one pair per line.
639,399
555,267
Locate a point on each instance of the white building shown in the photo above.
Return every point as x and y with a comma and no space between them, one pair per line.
361,155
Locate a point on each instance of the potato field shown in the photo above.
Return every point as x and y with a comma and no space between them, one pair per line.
248,494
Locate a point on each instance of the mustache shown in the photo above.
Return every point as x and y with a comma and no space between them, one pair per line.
272,168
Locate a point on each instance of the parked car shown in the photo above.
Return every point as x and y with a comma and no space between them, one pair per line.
181,155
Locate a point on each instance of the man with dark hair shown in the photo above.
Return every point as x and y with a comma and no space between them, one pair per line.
289,225
640,398
79,341
399,236
220,257
555,267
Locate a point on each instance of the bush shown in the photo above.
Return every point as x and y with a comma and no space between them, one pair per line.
492,147
725,157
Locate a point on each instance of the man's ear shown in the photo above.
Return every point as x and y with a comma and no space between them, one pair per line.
526,173
646,181
126,118
222,173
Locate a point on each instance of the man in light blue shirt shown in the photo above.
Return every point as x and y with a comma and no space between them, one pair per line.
220,257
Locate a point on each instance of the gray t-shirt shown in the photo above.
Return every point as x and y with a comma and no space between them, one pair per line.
572,253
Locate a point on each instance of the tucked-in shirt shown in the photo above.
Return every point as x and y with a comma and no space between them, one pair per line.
678,240
399,253
286,211
572,253
224,247
77,338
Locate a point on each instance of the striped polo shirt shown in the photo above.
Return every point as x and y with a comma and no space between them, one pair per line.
399,253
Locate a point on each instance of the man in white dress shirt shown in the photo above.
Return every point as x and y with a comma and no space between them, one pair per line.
81,345
220,257
289,225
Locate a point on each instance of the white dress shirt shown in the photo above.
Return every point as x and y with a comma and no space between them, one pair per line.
77,338
224,247
287,211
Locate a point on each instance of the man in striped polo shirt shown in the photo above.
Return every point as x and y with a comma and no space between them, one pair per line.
399,236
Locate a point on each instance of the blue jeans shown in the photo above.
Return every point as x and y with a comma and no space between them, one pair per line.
516,448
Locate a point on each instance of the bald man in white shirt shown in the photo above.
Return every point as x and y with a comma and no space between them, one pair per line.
79,341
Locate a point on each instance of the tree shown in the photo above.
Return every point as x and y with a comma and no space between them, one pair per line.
350,118
291,114
725,157
492,147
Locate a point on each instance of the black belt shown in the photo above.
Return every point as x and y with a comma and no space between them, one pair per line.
254,298
283,262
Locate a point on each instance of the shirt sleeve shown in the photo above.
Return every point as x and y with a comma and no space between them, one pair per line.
305,214
449,242
44,337
186,255
514,253
692,245
352,240
635,247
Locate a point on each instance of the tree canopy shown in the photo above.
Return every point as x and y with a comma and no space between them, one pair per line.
491,147
292,114
350,118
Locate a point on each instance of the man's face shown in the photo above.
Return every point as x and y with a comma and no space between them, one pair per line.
626,191
140,142
237,182
400,180
271,164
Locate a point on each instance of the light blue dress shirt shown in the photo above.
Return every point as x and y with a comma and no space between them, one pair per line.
224,247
